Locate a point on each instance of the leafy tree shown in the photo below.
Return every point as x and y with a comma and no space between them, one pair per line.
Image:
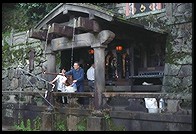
23,16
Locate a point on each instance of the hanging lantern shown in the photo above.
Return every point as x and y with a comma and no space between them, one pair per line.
119,48
91,51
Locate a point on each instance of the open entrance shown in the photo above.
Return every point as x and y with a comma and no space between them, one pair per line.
136,62
83,55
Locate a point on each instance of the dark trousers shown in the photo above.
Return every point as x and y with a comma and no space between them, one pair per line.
91,85
80,88
60,98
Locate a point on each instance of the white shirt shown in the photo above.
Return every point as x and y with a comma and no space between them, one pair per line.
91,73
70,89
60,82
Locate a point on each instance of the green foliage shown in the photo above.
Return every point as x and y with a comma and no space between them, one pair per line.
22,127
82,124
170,54
28,127
6,57
36,11
14,18
37,123
17,54
111,125
61,126
23,16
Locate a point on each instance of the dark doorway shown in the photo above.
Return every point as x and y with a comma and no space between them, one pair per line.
81,55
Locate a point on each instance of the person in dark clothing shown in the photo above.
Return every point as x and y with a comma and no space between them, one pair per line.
78,76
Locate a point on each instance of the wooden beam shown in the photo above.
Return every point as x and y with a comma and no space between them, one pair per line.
81,40
61,30
75,94
165,117
87,25
141,95
40,34
78,7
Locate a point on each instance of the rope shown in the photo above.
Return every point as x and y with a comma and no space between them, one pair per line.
73,39
49,26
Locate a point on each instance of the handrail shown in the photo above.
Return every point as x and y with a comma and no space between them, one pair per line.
34,85
33,75
135,95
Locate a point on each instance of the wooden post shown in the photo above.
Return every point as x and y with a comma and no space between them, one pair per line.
95,123
103,38
47,121
31,59
99,60
51,62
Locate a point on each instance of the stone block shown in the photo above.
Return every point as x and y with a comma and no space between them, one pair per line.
47,122
11,74
173,106
171,69
95,123
72,122
5,84
4,73
14,83
186,70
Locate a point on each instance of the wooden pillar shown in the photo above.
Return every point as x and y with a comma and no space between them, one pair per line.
103,38
132,60
31,59
95,123
72,122
51,62
144,58
99,60
47,121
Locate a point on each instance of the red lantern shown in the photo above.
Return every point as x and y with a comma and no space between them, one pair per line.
91,51
119,48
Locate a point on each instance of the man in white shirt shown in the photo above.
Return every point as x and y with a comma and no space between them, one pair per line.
91,77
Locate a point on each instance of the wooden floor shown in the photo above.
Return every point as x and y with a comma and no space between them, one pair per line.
123,85
119,82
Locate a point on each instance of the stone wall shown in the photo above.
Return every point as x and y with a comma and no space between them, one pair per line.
178,67
15,55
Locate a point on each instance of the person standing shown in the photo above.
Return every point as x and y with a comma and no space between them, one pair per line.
78,76
61,81
91,77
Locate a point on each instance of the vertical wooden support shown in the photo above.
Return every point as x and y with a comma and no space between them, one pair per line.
95,123
47,121
99,61
31,59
